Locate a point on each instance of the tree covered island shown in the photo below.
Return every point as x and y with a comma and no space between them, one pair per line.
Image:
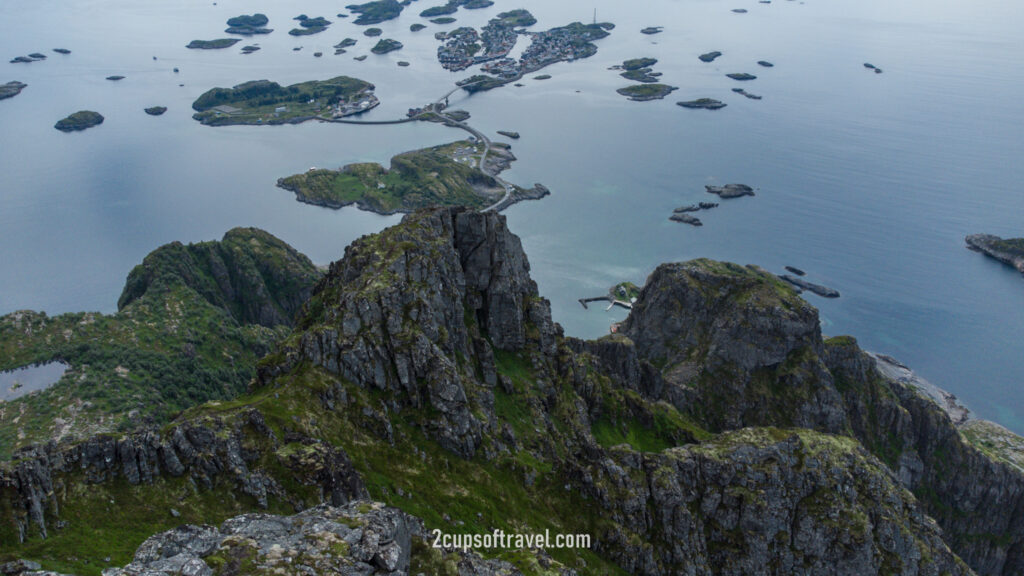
265,102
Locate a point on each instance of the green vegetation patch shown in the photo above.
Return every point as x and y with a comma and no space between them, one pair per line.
1013,246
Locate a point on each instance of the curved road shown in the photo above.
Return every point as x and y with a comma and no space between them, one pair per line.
451,122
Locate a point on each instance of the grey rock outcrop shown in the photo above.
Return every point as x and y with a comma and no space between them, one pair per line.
211,453
398,311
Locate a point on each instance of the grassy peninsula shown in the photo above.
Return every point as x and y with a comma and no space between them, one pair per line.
265,102
443,175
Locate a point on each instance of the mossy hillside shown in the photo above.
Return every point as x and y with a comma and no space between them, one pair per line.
406,470
159,355
436,176
183,335
258,101
249,273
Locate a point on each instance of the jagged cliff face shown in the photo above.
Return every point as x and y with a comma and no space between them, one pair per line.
717,435
736,346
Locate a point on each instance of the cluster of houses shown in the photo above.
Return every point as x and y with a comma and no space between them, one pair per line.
554,46
458,52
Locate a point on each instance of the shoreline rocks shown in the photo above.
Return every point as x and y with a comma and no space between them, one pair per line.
823,291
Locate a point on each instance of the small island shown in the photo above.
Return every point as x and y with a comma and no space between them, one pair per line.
417,27
376,12
741,76
646,92
248,25
703,103
434,11
743,92
639,69
64,51
1009,251
156,110
250,49
730,190
709,56
443,20
213,44
765,63
310,26
81,120
509,134
652,30
115,78
386,45
11,89
372,32
446,175
33,57
265,102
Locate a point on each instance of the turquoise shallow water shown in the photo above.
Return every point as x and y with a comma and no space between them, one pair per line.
867,181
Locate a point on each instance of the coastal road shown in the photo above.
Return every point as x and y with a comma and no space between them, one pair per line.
457,124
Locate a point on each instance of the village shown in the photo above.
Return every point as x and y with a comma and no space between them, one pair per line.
566,43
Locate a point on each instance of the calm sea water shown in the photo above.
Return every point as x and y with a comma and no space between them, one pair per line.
867,181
